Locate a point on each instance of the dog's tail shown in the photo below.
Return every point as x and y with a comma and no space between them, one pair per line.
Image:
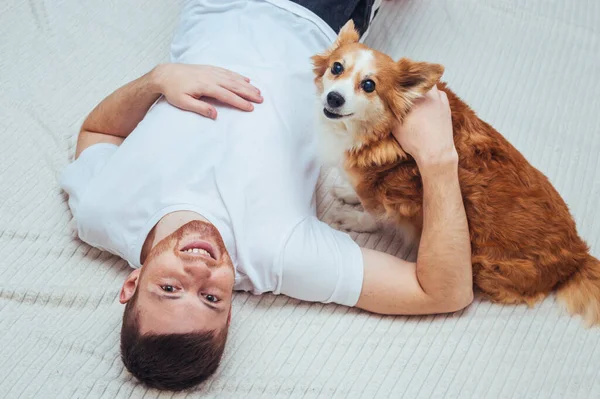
581,293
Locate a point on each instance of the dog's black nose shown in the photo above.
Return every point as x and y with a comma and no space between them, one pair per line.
335,99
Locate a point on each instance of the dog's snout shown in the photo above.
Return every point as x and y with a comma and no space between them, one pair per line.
335,99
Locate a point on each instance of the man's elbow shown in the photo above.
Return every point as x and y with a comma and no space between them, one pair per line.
459,301
455,301
463,300
457,296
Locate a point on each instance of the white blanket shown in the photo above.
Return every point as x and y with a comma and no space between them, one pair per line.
532,69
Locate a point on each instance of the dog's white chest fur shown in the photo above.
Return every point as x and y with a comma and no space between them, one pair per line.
334,140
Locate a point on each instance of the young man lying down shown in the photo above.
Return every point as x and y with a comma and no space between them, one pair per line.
203,179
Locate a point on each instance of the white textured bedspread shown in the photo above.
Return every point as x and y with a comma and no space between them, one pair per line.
532,69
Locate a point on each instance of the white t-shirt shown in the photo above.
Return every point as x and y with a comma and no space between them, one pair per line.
252,175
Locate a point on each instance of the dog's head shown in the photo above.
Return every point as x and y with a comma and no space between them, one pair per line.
357,84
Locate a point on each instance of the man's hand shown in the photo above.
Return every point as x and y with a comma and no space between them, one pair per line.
426,132
184,86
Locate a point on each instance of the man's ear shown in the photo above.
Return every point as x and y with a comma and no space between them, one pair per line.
348,35
129,286
417,78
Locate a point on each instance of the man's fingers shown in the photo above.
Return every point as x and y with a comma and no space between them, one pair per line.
229,97
233,75
244,90
189,103
227,79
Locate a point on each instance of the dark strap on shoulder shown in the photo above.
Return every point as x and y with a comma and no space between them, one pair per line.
337,12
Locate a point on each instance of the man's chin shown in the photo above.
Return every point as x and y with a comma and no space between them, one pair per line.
197,227
196,233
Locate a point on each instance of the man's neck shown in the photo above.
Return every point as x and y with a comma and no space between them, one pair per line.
166,226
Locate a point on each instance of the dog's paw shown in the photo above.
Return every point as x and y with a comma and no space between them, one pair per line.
349,219
346,194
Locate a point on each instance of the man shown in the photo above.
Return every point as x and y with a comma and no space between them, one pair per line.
205,185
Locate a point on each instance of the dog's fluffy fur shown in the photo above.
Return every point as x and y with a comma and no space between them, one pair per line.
524,240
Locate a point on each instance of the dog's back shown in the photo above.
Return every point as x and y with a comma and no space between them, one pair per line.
524,239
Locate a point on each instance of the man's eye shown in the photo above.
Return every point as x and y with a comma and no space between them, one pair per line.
211,298
168,288
337,68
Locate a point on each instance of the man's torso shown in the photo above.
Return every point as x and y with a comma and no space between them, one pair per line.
252,175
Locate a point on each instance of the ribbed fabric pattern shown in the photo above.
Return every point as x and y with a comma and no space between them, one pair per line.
532,69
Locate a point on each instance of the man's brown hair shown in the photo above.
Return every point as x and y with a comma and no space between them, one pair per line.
169,361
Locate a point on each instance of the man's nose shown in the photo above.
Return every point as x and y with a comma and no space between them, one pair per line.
199,270
335,99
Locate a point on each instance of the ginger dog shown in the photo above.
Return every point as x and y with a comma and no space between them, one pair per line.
524,240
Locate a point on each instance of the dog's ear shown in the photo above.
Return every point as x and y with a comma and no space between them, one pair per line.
412,81
348,35
416,78
320,63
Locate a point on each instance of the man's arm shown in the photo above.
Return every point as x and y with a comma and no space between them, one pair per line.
183,86
441,279
118,114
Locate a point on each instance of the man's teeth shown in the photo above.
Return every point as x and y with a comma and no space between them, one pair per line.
197,251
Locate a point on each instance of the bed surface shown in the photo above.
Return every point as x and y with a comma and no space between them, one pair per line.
532,69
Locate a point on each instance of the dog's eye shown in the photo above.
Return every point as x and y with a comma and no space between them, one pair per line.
368,85
337,68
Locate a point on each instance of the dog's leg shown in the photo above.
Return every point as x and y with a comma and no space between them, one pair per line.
353,219
346,194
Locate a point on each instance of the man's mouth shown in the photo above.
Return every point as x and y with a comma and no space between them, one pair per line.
199,248
333,115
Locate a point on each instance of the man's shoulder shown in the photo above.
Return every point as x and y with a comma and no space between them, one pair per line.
79,175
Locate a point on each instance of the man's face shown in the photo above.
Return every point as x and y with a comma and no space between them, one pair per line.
186,283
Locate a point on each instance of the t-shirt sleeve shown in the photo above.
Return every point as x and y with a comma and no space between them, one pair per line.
321,264
80,173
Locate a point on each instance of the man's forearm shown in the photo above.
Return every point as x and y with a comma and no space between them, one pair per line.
119,113
444,262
